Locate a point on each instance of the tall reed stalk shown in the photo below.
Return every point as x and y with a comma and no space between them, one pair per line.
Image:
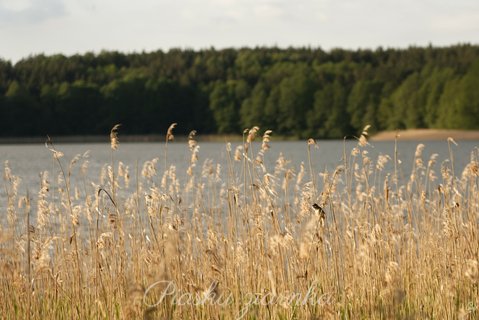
245,242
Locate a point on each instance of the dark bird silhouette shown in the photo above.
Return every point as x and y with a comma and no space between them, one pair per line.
319,211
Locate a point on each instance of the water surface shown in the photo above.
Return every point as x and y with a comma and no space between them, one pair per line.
28,160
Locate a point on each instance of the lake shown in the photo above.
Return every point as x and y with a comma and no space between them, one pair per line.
28,160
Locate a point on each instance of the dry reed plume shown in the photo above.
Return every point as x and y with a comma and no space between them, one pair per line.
244,241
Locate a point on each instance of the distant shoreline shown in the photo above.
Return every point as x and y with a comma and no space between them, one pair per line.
122,138
403,135
426,134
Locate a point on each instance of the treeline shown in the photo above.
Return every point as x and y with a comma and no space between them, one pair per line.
300,92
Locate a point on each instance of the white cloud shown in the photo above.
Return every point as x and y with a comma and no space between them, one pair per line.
71,26
15,5
18,12
268,11
465,21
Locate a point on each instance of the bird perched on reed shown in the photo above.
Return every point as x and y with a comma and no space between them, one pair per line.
319,212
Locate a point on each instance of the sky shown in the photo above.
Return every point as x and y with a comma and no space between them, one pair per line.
29,27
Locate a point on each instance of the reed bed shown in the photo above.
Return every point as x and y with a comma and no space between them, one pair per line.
243,241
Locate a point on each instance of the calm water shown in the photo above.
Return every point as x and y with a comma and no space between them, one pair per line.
27,161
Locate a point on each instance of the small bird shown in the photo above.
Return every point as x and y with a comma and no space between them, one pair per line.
320,212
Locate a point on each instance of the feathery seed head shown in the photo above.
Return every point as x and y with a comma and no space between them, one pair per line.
114,137
169,133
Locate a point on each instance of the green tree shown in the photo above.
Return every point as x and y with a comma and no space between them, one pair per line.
252,111
248,65
430,93
406,106
77,108
296,96
21,111
459,104
328,118
295,91
225,102
362,104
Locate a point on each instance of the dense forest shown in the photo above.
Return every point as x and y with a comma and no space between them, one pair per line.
301,92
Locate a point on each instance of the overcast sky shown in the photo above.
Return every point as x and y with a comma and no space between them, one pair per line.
77,26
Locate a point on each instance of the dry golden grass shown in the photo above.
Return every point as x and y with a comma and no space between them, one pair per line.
243,241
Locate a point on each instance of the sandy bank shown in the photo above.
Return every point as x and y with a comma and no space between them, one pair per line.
426,134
